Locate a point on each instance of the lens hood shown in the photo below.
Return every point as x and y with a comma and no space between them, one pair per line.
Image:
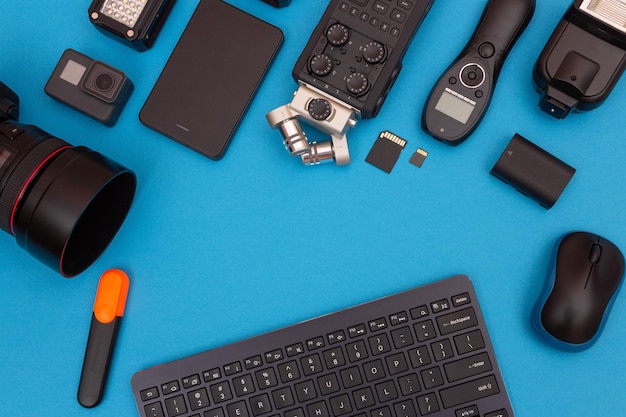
74,209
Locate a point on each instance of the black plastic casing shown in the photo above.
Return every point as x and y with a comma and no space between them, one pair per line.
580,64
533,171
382,75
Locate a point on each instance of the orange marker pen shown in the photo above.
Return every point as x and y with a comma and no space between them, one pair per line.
108,310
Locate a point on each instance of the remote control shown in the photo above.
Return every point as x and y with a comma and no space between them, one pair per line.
461,96
355,52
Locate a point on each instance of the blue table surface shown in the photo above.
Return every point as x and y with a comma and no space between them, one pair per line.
218,251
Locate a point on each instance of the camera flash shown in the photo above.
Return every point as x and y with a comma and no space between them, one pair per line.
133,22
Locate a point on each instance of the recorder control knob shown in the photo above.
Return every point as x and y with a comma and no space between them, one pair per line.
321,65
357,83
319,109
373,52
337,34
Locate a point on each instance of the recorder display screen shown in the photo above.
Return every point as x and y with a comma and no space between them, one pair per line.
454,106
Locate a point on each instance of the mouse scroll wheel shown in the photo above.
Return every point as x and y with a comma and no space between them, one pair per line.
595,253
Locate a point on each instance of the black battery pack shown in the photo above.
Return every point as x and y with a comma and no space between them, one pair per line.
533,171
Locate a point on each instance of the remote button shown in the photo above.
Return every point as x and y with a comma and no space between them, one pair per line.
472,75
319,109
398,16
373,52
486,50
360,2
380,7
337,34
357,83
321,65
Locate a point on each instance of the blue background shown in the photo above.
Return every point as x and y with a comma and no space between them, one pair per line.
221,251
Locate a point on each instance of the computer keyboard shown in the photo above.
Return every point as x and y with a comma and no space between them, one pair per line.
422,352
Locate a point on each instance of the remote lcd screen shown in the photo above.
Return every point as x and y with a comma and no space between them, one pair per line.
455,107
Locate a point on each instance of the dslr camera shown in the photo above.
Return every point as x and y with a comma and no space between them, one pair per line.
90,86
62,203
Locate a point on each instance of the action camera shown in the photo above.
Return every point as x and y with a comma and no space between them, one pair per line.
90,86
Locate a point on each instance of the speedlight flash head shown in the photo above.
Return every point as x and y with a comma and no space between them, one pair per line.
135,23
324,113
583,59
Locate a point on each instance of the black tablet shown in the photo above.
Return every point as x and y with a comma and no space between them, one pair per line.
211,77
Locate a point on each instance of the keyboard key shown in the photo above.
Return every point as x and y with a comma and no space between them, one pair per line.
243,385
191,381
379,344
334,358
253,362
386,391
283,398
351,377
305,391
315,343
419,312
471,411
198,399
378,324
442,350
311,364
461,299
456,321
425,330
398,318
357,351
221,392
266,378
175,406
427,404
396,364
405,409
154,410
499,413
439,306
328,384
363,398
149,394
402,337
232,368
341,405
318,409
295,349
469,391
336,337
288,371
432,378
373,370
170,387
211,375
215,412
469,342
260,405
419,357
356,331
409,384
468,367
238,409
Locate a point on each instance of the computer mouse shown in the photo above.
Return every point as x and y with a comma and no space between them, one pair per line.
582,283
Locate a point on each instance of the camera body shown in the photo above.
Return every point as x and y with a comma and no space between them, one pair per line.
92,87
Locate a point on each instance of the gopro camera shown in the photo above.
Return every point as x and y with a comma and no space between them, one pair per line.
92,87
584,58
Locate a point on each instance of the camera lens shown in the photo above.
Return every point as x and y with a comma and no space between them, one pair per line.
105,82
63,204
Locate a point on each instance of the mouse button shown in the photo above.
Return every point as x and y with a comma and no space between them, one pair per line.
595,253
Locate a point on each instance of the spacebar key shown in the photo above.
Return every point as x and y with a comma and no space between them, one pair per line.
469,391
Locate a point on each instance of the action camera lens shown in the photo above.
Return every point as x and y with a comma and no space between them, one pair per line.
105,82
63,204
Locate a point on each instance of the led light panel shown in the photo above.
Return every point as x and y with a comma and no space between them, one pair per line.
125,12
